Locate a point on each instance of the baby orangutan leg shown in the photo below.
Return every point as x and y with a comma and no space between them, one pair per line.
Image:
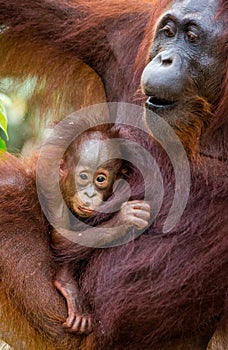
77,321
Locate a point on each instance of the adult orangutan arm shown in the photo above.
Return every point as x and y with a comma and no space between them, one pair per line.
43,36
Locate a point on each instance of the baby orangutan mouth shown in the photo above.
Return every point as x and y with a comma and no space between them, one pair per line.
86,210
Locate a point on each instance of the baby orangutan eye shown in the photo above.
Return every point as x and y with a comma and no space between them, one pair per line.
100,179
83,176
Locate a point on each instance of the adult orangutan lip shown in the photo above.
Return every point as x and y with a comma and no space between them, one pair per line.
155,103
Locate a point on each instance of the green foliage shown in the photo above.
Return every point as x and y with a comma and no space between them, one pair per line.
3,126
2,145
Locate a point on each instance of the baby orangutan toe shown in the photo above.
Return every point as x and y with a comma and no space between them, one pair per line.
77,323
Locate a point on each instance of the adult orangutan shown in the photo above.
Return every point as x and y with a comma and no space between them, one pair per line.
159,291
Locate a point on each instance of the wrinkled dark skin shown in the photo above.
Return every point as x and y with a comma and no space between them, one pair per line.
184,58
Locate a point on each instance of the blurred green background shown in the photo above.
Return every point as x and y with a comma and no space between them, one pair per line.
24,133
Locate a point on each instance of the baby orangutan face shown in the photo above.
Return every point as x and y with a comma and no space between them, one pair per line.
89,173
92,188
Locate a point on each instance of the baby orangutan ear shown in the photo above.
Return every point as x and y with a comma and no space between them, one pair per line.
63,171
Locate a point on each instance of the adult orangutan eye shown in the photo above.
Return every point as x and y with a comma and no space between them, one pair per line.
191,36
169,30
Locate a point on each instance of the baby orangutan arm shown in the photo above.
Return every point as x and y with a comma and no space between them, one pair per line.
132,214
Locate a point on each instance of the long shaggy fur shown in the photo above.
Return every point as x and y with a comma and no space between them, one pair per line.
156,292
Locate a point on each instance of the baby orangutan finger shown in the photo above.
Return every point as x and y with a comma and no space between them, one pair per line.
140,205
141,214
138,223
136,204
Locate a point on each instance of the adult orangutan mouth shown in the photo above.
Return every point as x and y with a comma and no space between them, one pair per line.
154,103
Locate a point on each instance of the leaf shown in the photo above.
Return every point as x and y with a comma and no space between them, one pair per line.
3,120
2,145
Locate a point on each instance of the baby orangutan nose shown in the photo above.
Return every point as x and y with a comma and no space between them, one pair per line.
90,192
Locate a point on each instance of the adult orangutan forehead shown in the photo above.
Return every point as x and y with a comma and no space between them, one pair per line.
202,12
196,8
195,4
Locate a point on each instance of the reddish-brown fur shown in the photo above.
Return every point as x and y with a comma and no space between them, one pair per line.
157,292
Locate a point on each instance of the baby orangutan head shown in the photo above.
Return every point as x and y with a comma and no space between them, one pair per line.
89,168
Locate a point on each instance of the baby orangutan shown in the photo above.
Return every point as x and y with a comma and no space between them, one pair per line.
88,171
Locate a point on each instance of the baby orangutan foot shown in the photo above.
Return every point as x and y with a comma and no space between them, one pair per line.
77,321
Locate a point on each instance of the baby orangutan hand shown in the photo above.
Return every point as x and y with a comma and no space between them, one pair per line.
134,213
